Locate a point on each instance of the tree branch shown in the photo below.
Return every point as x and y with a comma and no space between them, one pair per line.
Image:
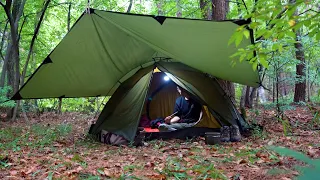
22,25
2,39
308,11
2,5
36,31
129,7
245,6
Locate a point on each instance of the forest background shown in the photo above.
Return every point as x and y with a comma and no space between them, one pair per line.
287,48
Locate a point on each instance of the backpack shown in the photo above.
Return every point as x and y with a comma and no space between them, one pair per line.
113,139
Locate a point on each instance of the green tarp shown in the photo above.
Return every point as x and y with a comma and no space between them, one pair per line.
103,49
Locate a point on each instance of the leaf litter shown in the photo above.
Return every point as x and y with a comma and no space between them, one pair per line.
73,156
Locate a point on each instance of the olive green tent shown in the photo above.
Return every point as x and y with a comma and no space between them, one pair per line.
113,54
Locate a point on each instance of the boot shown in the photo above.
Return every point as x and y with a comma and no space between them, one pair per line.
225,134
235,135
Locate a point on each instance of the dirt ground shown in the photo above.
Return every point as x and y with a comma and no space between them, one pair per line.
52,146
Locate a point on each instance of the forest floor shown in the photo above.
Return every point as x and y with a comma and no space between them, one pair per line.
52,146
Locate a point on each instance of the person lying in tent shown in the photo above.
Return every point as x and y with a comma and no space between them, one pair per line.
187,112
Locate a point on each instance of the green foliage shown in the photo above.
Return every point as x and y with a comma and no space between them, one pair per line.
275,21
307,172
287,129
205,170
39,136
5,103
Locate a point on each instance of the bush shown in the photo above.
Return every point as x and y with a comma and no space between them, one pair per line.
5,102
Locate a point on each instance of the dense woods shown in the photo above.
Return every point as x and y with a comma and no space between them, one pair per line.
285,52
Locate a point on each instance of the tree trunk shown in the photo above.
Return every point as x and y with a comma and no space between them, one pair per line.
300,85
128,10
257,98
308,81
252,96
59,106
247,97
69,15
242,102
205,10
3,39
5,66
219,12
13,10
219,9
243,96
159,6
277,92
179,11
273,89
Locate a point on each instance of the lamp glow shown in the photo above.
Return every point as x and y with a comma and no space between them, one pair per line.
166,78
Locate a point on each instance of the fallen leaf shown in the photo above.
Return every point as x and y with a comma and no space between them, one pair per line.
12,177
107,172
285,178
13,173
79,169
260,161
149,164
243,161
157,177
296,173
187,159
270,143
31,170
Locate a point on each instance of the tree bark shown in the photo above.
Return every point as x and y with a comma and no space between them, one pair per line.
13,64
300,85
159,6
3,39
257,98
242,102
252,96
219,12
69,16
5,65
129,7
206,9
247,97
179,10
243,96
308,81
219,9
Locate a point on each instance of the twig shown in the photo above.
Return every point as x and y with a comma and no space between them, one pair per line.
2,5
245,6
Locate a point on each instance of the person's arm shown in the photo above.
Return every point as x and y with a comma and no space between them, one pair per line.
174,119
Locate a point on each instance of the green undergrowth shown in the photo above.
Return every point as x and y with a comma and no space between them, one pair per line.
36,137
